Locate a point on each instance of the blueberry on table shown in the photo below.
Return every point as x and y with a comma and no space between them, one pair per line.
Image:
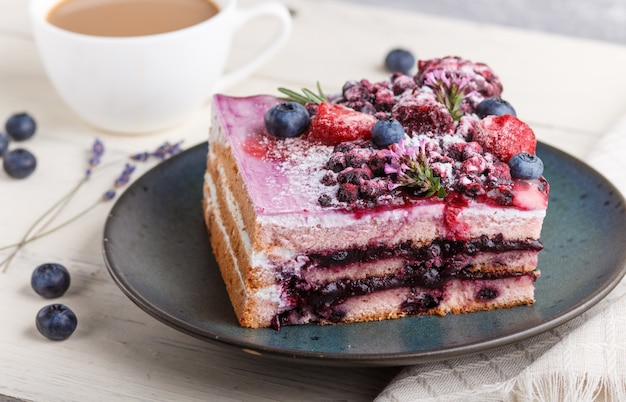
495,106
525,166
4,144
19,163
50,280
287,119
56,322
387,132
20,126
400,61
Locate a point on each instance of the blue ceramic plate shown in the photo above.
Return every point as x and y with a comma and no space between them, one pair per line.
157,250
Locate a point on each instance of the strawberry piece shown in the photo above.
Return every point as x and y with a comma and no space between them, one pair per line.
505,136
335,123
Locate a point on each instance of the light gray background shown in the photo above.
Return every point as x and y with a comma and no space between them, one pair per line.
603,20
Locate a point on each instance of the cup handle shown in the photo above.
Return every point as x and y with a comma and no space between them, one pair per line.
241,18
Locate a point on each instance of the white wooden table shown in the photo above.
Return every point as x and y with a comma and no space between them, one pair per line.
569,90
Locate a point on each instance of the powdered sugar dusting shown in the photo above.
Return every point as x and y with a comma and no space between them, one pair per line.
303,164
283,175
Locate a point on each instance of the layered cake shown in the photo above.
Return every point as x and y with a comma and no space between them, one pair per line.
415,195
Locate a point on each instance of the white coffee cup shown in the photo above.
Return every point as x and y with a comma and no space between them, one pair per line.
140,84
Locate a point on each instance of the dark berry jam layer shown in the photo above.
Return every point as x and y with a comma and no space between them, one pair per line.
426,271
430,255
324,303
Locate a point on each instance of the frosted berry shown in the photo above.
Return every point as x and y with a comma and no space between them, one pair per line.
400,61
525,166
348,193
505,136
354,176
387,132
335,123
56,322
20,126
19,163
494,106
4,144
423,114
287,119
50,280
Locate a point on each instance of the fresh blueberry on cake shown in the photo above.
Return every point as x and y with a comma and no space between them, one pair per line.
386,200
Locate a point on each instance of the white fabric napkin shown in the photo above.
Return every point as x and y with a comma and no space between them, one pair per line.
582,360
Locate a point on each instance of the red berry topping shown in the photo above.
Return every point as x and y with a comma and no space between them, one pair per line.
423,114
335,123
505,136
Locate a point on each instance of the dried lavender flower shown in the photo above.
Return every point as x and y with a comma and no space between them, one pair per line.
410,168
164,151
450,87
97,150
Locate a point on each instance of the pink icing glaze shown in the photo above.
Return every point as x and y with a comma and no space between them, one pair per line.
284,175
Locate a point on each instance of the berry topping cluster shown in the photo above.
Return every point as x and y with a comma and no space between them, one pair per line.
445,129
356,174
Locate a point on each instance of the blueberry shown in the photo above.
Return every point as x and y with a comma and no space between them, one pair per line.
20,126
56,322
525,166
400,61
494,107
4,144
50,280
19,163
387,132
287,119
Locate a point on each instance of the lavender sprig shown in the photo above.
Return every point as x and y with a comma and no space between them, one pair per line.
163,152
450,88
411,169
121,181
35,230
97,150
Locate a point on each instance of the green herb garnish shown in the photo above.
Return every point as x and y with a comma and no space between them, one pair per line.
306,97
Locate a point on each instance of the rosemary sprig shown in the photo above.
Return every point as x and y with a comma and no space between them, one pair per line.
307,96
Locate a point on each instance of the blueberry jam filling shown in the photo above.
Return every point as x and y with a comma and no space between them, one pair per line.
323,302
486,294
440,249
426,271
421,302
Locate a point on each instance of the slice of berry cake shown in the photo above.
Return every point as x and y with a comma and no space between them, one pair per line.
416,195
